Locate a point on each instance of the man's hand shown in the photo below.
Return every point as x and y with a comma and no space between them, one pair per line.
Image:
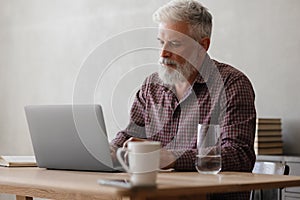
167,159
113,152
132,139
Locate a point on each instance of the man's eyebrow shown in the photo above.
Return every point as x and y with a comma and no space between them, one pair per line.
172,40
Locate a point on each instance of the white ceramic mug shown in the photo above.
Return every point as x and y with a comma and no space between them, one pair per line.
143,162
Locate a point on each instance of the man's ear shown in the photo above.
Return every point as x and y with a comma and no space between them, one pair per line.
205,42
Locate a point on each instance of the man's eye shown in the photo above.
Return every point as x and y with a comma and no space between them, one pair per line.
175,44
161,43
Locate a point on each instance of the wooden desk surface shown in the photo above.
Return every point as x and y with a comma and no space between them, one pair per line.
55,184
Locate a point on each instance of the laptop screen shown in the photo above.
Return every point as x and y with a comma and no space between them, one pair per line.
69,137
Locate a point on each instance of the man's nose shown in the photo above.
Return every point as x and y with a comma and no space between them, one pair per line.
165,53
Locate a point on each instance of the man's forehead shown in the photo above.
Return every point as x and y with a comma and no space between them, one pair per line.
174,31
170,35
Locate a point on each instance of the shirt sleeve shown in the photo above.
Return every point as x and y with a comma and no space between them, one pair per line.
136,126
238,118
185,160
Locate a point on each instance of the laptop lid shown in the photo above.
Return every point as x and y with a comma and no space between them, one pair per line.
69,137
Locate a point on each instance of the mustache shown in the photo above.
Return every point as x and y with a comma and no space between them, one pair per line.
167,61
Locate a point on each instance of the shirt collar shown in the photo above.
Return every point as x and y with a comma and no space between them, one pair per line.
207,68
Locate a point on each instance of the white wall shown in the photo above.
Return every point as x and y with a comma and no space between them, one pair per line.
45,43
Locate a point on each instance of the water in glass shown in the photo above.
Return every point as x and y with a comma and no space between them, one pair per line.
208,164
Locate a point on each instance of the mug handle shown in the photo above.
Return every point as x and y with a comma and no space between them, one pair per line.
121,158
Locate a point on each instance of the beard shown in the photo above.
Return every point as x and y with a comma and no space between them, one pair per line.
172,76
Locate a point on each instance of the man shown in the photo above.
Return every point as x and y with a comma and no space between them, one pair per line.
191,89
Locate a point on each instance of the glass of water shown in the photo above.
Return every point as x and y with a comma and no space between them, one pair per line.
208,160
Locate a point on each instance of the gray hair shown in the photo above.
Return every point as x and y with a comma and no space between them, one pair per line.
189,11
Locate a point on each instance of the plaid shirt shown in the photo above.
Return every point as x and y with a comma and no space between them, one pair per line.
220,95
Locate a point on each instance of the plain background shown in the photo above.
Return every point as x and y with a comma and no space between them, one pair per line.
44,45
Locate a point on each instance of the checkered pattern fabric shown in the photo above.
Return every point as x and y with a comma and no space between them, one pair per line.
220,95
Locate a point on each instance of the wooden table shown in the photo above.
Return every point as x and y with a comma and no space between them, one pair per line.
55,184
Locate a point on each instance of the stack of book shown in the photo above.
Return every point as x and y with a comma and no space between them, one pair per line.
268,137
18,161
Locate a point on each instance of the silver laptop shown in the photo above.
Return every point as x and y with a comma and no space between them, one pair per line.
70,137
